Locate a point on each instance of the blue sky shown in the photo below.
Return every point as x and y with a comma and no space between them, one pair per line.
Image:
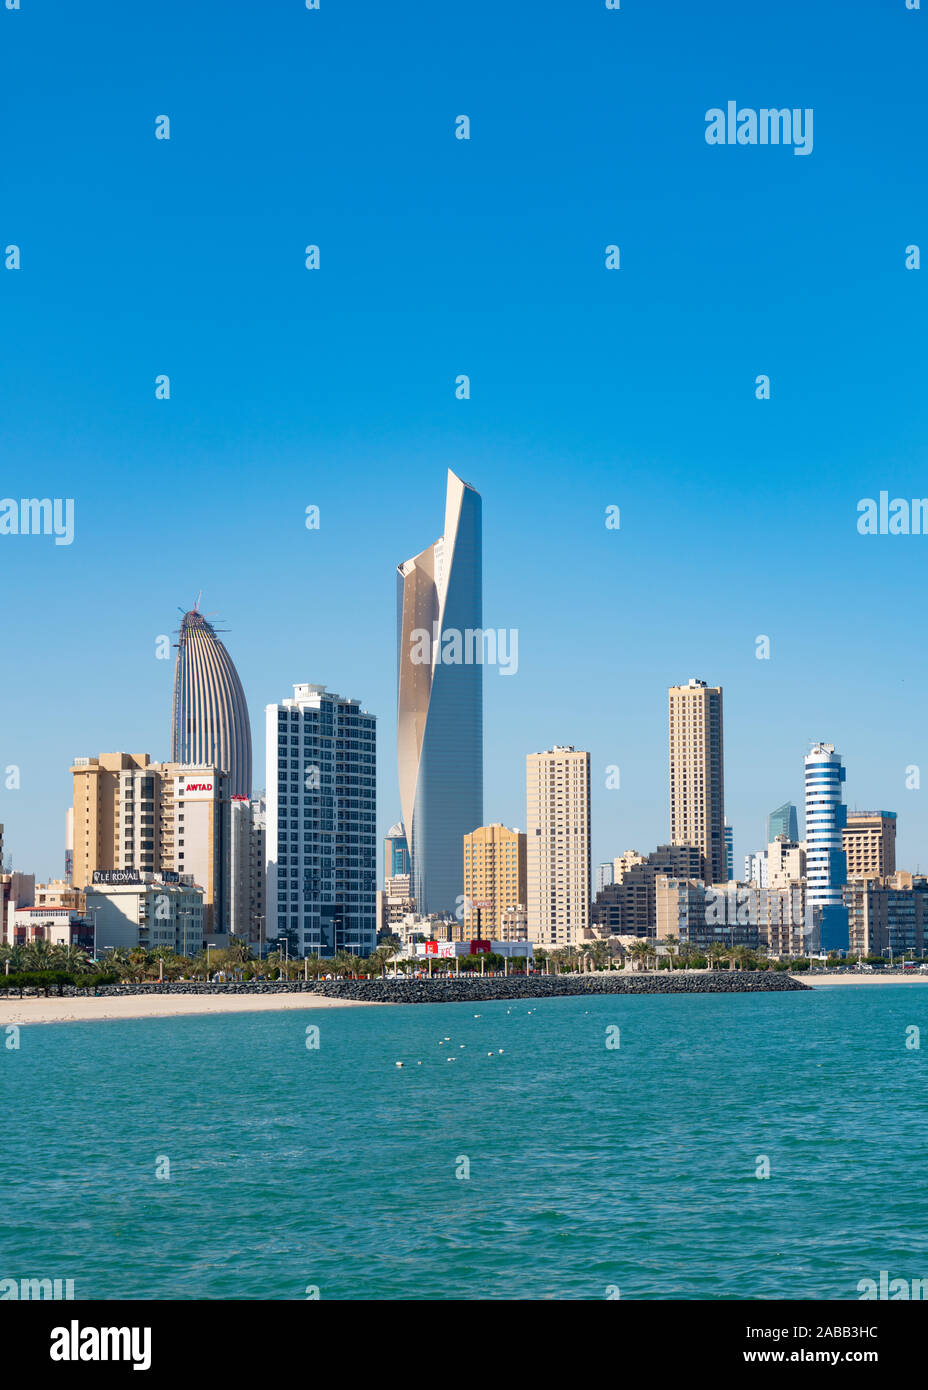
589,388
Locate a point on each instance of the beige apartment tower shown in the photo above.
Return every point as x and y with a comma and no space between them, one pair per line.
98,784
697,775
870,844
495,895
557,797
133,814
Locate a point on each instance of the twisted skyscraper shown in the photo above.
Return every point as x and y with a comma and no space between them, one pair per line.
210,725
440,700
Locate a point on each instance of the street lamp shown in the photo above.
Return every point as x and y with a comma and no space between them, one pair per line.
94,910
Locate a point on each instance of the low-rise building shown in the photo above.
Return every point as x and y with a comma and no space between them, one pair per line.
59,926
132,909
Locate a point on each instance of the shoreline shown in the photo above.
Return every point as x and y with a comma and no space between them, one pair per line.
155,1001
188,998
108,1009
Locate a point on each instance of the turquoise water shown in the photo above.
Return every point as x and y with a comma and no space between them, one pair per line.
589,1167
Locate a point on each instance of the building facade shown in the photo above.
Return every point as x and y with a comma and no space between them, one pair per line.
697,774
786,862
628,906
130,910
558,846
440,699
757,868
869,840
887,915
495,881
321,812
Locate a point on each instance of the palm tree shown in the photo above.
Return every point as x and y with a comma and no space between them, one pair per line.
671,942
239,952
341,963
742,956
597,951
640,952
378,958
40,955
118,960
389,950
70,959
716,953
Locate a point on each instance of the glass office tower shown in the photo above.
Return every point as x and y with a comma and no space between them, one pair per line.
440,700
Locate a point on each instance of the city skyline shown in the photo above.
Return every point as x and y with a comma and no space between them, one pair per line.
634,840
588,388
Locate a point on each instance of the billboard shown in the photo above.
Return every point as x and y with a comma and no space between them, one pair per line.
116,876
444,950
195,788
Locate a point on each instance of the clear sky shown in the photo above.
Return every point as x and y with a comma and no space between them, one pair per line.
590,388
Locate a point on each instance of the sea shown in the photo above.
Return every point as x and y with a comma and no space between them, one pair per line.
703,1146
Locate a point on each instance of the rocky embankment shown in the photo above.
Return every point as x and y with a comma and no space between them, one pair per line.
465,988
461,989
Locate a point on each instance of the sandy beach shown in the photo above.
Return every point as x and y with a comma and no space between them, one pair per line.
95,1010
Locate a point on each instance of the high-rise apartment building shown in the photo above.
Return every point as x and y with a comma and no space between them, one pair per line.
869,840
321,812
98,844
826,862
210,726
558,846
729,850
494,882
133,814
697,777
783,821
888,915
440,653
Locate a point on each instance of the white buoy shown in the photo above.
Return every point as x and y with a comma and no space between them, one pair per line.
399,1064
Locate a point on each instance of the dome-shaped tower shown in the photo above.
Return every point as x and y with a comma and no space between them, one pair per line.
210,724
